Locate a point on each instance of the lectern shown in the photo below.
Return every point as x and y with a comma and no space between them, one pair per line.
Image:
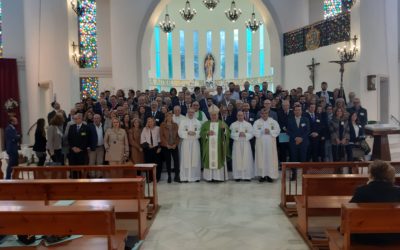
380,132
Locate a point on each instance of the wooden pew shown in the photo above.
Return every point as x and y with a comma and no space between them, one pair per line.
323,195
126,195
107,171
98,223
365,218
290,189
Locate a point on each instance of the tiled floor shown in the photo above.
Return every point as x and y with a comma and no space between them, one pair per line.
221,216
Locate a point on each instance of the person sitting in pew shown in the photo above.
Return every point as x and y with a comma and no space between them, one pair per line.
379,189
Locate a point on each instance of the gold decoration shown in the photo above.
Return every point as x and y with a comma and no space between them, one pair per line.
313,39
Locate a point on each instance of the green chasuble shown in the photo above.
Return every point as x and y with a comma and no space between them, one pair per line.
223,143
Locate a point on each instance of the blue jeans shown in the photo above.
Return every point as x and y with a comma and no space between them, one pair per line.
12,162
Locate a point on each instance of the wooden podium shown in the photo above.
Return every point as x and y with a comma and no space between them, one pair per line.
380,132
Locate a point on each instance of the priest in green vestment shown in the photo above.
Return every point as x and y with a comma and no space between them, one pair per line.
215,147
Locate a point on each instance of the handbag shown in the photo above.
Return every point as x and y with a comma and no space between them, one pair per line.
365,147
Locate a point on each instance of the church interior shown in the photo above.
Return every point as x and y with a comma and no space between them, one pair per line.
199,124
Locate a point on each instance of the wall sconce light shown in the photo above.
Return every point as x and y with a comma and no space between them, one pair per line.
76,7
78,59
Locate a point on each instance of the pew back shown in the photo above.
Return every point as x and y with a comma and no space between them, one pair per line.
290,189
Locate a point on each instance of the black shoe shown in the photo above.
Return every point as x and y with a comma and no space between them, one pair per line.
247,180
262,179
269,179
169,179
177,179
237,180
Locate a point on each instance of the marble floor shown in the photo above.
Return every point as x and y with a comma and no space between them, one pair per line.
231,215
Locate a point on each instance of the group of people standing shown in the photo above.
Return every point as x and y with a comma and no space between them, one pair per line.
203,135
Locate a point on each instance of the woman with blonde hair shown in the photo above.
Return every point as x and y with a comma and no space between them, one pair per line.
134,141
116,144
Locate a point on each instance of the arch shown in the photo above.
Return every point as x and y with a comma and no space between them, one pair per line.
157,7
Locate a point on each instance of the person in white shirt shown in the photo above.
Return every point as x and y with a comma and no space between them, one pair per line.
177,116
190,160
242,156
266,130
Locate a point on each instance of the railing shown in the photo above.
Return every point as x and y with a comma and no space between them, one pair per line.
293,186
166,84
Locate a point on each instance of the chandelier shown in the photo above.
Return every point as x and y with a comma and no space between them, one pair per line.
347,54
233,13
253,24
167,25
210,4
187,13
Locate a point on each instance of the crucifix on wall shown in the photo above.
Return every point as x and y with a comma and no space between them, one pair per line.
312,67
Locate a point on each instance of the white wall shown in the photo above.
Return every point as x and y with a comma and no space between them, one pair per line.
316,10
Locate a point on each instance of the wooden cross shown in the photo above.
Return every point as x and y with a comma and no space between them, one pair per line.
312,67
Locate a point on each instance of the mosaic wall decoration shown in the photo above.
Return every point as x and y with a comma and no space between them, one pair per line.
331,31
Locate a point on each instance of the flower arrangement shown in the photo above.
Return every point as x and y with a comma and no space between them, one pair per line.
10,104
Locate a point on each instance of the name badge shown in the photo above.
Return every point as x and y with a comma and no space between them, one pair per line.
359,126
342,123
303,124
157,120
362,114
251,119
318,120
83,133
330,97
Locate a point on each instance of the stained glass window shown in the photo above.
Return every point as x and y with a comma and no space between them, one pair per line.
262,53
158,55
209,41
182,53
1,30
170,62
235,53
88,46
222,53
89,87
249,51
88,33
332,8
196,54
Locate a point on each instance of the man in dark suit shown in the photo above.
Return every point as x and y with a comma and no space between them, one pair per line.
185,106
174,98
283,116
328,95
157,115
316,132
271,113
248,116
361,112
298,131
247,89
12,139
79,142
56,108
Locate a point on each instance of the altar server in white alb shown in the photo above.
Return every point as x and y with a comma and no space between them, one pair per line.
190,161
266,130
242,157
